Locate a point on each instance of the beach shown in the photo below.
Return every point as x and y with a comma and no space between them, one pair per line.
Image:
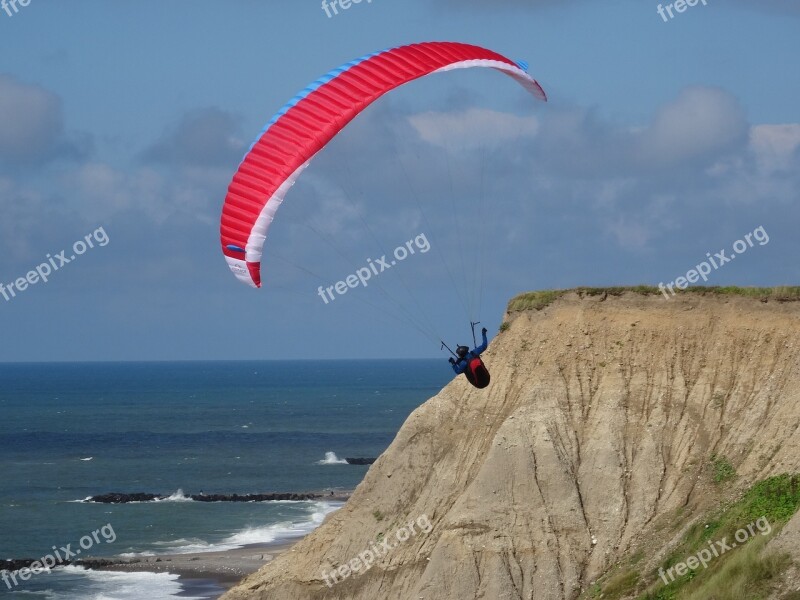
202,571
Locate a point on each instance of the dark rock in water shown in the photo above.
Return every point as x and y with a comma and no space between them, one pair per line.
95,563
119,498
360,461
16,564
252,497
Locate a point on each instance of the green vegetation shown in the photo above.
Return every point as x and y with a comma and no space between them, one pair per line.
740,573
542,299
534,300
723,469
662,594
743,575
782,293
620,585
378,515
776,498
504,326
746,574
740,570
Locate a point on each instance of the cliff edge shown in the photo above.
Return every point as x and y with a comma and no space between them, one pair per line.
602,436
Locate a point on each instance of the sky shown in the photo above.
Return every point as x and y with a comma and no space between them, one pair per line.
664,142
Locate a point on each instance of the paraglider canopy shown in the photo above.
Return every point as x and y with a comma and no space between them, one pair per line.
312,118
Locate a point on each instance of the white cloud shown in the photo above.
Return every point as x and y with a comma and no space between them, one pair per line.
775,146
30,121
205,137
102,191
700,122
472,128
629,234
21,209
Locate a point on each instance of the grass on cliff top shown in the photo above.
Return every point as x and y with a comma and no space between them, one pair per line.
542,299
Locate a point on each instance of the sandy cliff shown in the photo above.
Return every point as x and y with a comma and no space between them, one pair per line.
600,422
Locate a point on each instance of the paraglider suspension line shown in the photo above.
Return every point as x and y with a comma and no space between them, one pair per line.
472,324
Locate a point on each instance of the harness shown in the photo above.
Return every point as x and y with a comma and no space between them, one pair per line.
477,373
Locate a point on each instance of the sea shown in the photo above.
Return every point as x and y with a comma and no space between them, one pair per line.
71,431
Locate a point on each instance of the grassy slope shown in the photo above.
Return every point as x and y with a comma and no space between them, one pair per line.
743,572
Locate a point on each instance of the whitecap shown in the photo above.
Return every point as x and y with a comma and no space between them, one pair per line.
110,585
283,531
178,496
331,459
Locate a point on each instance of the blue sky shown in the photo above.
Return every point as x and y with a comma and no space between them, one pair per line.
662,142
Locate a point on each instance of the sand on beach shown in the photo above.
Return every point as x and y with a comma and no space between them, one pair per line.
226,566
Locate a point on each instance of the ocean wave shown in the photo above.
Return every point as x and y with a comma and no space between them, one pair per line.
147,553
266,534
331,459
178,496
77,583
278,532
185,546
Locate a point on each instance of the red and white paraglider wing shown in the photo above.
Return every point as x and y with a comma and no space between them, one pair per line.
311,119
